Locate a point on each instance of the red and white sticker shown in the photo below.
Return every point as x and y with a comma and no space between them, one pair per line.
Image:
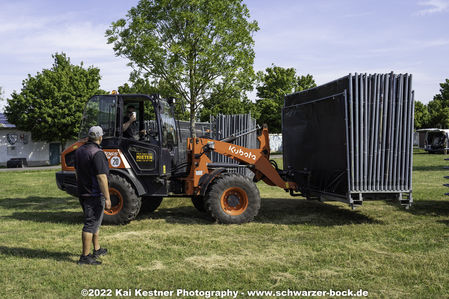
115,161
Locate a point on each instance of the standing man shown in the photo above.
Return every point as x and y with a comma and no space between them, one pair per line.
92,170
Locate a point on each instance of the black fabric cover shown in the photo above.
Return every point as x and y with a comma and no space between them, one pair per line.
314,138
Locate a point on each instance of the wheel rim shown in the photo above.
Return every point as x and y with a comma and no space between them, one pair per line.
234,201
116,202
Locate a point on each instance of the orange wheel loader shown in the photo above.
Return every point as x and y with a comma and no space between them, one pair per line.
155,163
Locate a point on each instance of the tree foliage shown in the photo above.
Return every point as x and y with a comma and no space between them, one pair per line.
229,97
422,116
273,85
439,107
436,113
188,45
50,104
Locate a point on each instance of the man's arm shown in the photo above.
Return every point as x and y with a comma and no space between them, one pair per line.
129,122
126,125
104,187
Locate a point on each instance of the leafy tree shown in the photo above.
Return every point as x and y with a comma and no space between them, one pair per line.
273,85
229,97
422,116
439,107
50,104
188,45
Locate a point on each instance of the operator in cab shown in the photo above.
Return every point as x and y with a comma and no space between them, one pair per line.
130,126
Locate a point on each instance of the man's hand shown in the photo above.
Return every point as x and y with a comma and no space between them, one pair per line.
107,204
104,187
132,118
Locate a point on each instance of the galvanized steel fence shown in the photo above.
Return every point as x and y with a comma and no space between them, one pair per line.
381,113
223,126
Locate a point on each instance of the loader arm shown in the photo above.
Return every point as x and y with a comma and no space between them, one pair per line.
258,159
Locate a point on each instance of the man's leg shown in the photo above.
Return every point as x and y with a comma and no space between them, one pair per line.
98,251
99,213
89,224
87,239
95,240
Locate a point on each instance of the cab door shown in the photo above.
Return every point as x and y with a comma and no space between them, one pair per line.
143,152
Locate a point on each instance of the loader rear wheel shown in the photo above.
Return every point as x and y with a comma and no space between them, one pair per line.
150,203
233,199
125,204
198,203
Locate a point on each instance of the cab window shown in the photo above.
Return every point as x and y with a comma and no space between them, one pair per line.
100,111
139,121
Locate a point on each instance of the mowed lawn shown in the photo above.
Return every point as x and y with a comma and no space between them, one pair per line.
293,244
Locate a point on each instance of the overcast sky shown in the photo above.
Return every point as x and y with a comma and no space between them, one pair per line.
325,38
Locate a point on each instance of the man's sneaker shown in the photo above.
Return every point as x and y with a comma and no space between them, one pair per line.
100,252
88,260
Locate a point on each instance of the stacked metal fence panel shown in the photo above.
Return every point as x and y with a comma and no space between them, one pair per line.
352,138
218,128
202,129
227,125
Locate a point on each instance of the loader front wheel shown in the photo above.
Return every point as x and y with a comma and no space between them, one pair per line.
233,199
198,202
150,203
125,204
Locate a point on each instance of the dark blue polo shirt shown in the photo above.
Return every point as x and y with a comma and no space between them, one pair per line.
90,161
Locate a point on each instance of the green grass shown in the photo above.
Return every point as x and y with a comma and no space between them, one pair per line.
293,244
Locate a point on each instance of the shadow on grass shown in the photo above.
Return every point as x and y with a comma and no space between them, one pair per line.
274,210
426,207
300,211
429,168
444,222
39,203
36,253
52,217
179,215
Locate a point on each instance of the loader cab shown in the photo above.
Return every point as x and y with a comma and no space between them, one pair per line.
149,143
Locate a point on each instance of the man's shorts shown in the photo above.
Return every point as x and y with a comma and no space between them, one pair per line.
93,209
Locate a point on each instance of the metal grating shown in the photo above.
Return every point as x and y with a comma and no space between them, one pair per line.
226,125
218,128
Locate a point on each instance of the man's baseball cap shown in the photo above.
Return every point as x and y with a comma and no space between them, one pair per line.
95,132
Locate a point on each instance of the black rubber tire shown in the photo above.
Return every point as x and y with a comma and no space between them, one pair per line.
131,202
150,203
198,203
219,186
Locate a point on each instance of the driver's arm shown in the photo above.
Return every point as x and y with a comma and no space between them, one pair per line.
126,125
129,122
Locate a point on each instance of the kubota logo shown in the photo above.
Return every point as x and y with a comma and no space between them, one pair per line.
236,151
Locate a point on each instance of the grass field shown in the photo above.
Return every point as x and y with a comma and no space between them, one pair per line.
293,244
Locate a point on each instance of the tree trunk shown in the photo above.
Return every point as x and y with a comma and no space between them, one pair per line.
192,103
192,120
